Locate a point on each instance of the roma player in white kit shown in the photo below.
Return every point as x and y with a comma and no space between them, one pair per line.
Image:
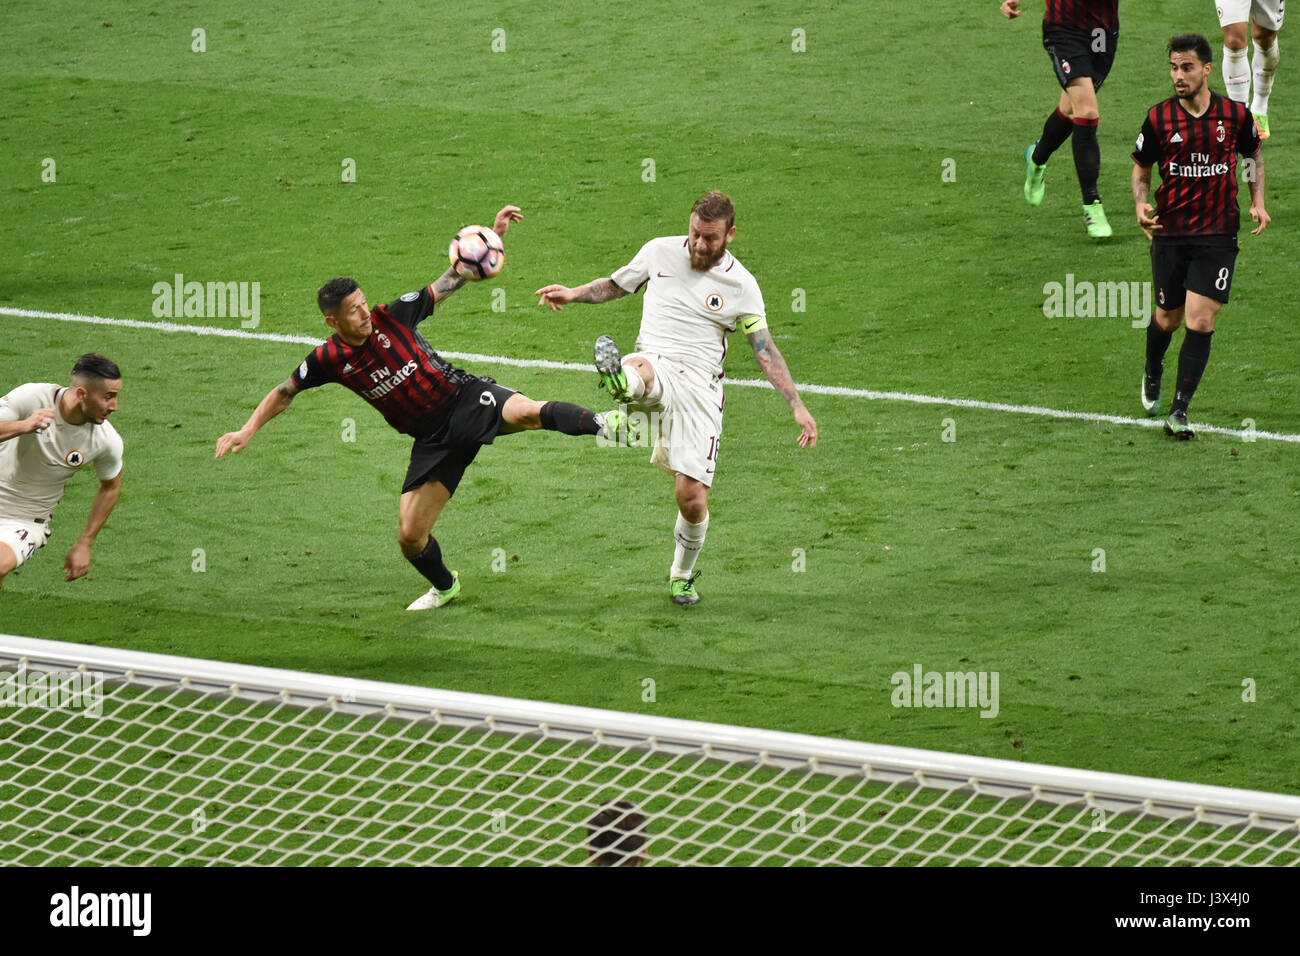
696,293
47,434
1265,20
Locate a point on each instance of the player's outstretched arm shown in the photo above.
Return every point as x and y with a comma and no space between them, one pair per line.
1146,213
773,365
450,281
276,401
1256,180
78,560
597,290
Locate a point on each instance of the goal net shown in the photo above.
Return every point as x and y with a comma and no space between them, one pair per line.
128,758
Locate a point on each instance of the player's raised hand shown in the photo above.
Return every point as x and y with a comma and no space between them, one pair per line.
556,296
504,218
1010,9
231,442
1258,214
78,561
808,436
1148,221
40,420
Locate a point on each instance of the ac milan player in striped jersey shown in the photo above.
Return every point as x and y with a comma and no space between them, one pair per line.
379,354
1080,36
1194,137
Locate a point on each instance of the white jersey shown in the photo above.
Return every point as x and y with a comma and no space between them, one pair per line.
687,315
35,467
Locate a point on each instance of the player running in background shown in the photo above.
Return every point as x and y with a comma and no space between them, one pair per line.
451,414
1080,36
696,294
47,434
616,835
1194,137
1265,17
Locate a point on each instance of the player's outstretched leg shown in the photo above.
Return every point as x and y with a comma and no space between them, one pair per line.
609,363
1034,173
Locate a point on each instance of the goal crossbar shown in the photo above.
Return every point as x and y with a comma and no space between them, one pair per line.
732,746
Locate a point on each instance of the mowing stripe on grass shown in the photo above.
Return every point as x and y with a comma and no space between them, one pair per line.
866,393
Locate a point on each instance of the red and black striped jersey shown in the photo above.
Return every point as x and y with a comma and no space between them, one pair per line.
395,369
1197,156
1083,14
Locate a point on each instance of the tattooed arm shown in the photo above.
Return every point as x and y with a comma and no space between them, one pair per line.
445,285
773,365
1147,219
450,281
597,290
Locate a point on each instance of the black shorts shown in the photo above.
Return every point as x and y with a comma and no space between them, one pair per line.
1076,53
1203,266
471,423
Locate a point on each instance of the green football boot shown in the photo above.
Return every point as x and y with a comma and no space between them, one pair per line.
1094,217
434,598
1177,427
1150,394
1261,125
683,590
1034,187
619,428
609,365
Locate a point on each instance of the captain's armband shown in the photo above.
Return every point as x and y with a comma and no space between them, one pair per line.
753,323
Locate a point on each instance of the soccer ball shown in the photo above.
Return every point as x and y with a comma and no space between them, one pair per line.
477,253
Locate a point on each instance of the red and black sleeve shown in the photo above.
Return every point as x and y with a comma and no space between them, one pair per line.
411,309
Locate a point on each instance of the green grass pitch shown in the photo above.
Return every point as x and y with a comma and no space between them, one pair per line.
877,175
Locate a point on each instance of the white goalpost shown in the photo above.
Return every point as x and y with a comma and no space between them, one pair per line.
127,758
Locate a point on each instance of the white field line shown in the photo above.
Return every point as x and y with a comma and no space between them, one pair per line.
866,393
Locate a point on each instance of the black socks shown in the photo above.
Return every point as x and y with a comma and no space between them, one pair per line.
429,563
568,418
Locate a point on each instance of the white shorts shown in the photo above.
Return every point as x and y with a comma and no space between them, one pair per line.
1267,13
24,537
688,415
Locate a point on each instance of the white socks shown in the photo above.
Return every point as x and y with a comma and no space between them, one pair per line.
1264,65
690,539
1236,74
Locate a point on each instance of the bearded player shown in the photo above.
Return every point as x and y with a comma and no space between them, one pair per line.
380,354
1194,137
49,433
696,293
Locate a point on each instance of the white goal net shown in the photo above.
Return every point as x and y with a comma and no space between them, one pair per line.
127,758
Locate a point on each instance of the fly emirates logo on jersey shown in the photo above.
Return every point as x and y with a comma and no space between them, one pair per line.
386,386
1199,168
